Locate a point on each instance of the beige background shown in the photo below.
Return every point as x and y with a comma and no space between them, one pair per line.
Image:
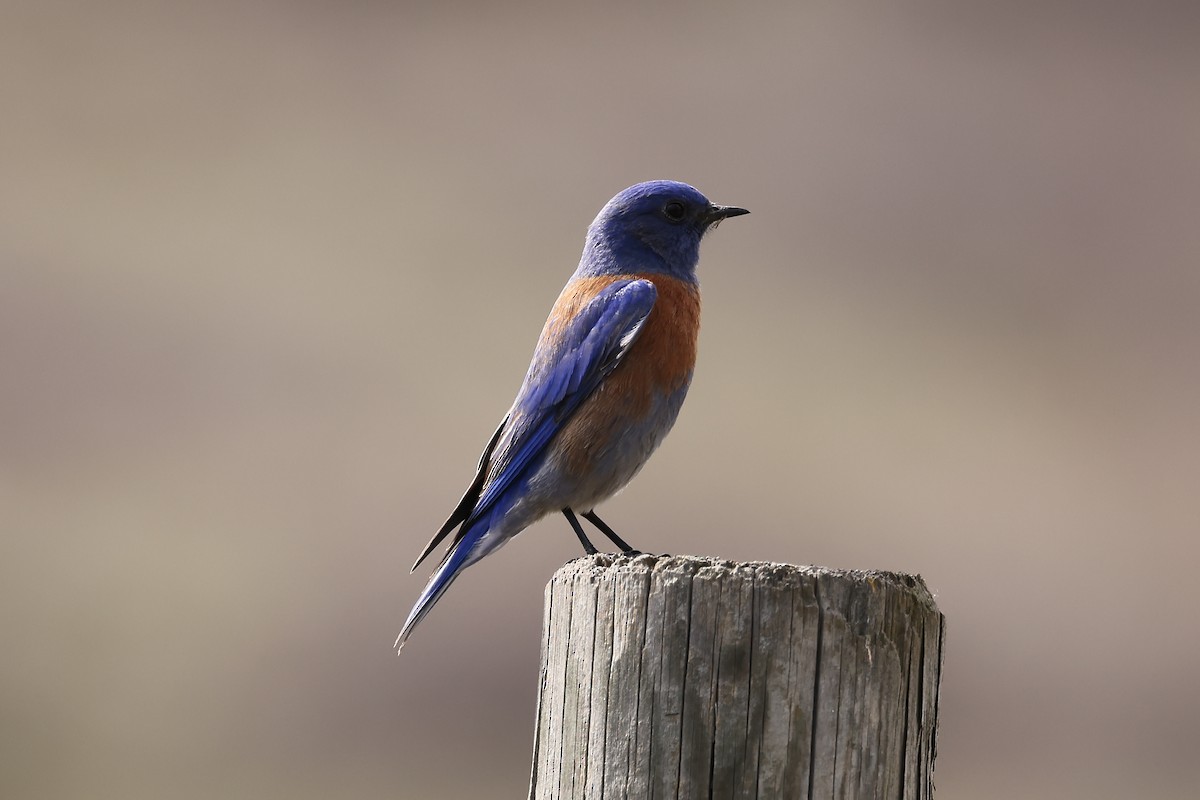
270,274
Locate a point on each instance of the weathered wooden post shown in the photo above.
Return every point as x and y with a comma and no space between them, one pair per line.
684,677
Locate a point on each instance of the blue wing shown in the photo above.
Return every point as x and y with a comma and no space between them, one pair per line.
569,363
565,370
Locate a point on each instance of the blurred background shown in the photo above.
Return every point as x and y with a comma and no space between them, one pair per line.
270,273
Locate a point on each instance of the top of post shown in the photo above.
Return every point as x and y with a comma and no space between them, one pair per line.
760,572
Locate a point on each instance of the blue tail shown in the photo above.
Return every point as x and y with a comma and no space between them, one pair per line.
456,560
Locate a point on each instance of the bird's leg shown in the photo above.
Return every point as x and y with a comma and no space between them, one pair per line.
610,533
588,547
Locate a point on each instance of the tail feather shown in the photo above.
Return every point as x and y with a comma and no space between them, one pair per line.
455,562
462,512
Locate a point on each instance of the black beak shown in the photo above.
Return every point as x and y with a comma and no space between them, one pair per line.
718,213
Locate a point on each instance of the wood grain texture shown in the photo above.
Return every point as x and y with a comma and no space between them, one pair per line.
684,677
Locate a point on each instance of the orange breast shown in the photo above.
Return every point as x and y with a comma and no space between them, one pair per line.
658,365
663,357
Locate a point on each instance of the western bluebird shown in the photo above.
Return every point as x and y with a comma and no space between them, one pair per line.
608,376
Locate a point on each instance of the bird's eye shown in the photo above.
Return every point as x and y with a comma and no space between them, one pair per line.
674,211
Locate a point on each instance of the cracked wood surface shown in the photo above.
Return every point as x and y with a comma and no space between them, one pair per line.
686,677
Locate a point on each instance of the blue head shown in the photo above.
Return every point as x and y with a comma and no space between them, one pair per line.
651,227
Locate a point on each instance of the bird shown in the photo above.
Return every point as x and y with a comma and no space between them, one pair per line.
605,385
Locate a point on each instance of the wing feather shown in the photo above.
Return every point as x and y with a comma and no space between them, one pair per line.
568,364
469,498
